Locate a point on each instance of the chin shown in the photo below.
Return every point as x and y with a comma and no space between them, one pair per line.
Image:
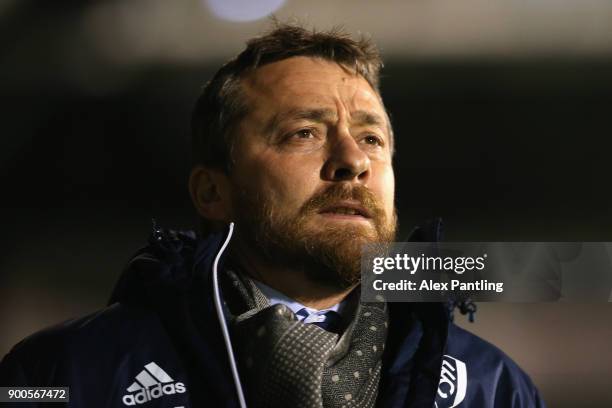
351,229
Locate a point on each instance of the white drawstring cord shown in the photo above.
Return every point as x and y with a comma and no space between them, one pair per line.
221,316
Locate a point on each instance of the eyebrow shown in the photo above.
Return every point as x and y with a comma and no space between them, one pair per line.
368,118
360,117
316,115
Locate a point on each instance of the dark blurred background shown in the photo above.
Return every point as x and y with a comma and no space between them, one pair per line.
502,112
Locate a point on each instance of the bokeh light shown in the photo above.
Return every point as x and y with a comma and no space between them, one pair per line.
243,10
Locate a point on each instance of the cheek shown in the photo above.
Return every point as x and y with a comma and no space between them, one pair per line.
386,188
285,182
295,181
391,184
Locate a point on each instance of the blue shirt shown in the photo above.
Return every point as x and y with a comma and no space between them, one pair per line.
314,316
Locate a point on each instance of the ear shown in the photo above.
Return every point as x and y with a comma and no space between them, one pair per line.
210,193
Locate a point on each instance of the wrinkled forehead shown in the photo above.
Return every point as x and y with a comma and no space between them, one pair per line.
300,81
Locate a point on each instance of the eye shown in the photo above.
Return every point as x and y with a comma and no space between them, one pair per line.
304,134
373,140
302,137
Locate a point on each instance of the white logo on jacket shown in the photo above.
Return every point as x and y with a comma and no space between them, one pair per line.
152,383
453,383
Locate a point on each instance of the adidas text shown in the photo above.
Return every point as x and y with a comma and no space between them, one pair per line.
156,391
151,383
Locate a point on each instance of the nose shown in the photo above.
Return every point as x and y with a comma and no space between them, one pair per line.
346,161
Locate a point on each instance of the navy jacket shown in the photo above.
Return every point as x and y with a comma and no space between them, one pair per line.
159,343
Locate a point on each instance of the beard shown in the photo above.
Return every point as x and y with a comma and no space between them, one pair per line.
329,253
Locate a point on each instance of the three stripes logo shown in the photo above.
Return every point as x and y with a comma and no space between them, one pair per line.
152,383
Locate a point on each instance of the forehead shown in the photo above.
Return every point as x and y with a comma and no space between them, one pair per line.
299,81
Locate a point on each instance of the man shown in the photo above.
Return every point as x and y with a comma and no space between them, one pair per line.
293,174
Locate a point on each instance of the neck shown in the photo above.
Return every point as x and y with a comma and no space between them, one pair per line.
292,282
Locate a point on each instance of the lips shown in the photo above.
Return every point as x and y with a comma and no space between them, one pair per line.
346,208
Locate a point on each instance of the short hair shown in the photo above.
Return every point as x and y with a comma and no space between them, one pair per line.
221,105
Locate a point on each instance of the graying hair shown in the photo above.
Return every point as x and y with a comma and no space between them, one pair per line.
221,105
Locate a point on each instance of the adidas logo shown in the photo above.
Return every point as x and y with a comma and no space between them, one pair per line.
151,383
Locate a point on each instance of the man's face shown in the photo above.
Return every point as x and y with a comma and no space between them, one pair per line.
312,178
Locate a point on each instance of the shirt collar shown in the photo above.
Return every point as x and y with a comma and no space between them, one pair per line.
275,297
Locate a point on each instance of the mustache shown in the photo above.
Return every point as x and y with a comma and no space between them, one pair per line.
339,192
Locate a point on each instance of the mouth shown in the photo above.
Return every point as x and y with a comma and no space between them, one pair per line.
346,210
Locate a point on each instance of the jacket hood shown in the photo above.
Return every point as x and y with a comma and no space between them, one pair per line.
171,264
